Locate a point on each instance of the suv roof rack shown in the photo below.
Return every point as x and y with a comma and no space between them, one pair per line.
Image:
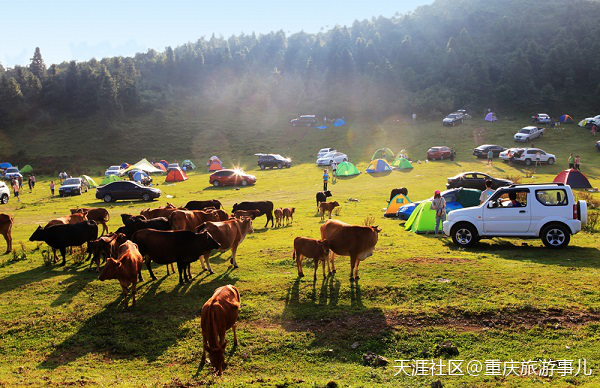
537,184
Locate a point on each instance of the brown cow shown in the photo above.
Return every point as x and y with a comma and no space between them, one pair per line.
318,250
70,219
105,246
98,214
191,219
246,213
6,224
229,234
278,213
219,314
126,268
355,241
221,214
163,211
288,214
327,207
126,217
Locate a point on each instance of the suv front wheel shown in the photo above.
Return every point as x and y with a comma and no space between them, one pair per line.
464,235
555,236
262,166
4,199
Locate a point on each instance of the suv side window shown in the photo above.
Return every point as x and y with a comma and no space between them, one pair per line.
508,199
552,197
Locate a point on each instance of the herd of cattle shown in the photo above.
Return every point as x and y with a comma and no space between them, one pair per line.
169,234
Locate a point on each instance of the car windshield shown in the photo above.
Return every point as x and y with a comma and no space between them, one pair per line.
12,169
112,168
71,181
452,116
524,131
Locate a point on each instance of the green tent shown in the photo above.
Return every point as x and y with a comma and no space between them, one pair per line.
346,169
110,178
91,183
402,164
422,219
26,170
389,155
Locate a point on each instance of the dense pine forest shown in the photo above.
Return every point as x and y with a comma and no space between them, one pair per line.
509,55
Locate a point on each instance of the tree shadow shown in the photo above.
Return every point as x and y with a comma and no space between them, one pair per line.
146,331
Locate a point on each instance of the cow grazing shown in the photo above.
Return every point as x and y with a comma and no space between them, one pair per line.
105,247
98,214
126,268
135,224
288,214
278,216
327,207
402,190
126,217
247,213
229,234
219,314
318,250
322,196
163,211
66,235
201,205
70,219
191,219
6,224
355,241
265,207
173,246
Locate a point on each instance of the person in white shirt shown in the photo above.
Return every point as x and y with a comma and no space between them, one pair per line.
485,194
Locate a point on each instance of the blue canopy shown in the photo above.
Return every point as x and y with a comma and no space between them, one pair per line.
5,165
339,122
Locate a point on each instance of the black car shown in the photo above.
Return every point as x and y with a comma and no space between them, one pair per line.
126,190
73,186
482,150
475,180
273,160
453,119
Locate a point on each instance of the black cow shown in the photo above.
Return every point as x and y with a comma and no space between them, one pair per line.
265,207
402,190
134,224
173,246
201,205
126,217
322,196
67,235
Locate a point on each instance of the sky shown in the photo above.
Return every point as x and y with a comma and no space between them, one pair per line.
84,29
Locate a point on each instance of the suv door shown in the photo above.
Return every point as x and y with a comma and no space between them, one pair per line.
499,218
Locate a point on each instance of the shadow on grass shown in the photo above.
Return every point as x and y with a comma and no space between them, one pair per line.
155,324
37,274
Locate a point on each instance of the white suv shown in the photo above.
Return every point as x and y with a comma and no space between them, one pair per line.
4,193
548,211
528,155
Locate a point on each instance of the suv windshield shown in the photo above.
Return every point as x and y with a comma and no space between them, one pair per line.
524,131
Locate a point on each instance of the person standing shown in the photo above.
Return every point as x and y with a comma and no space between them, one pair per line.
577,162
334,170
52,187
571,161
33,181
490,156
16,189
30,183
325,179
485,194
414,117
538,158
439,205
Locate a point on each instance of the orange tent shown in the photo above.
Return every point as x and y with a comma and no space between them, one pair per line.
176,175
215,165
160,166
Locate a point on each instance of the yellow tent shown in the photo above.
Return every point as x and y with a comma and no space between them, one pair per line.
396,202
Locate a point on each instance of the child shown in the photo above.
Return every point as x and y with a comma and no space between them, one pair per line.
52,187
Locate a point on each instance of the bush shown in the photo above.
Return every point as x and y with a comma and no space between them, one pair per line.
593,222
369,220
592,201
514,178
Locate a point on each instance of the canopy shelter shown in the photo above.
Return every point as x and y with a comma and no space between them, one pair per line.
91,183
378,165
383,153
176,175
346,169
402,164
26,170
582,124
110,178
574,178
144,165
566,119
491,116
395,204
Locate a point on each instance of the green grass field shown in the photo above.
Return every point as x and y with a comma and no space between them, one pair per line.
505,299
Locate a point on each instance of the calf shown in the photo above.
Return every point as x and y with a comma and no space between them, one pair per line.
288,214
70,219
201,205
246,213
318,250
66,235
98,214
135,224
322,196
173,246
402,190
327,207
105,246
229,234
278,216
219,314
126,268
160,212
355,241
265,207
190,219
6,224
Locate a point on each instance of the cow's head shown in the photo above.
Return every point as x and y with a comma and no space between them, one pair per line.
78,210
247,224
235,207
110,270
327,193
324,245
335,204
38,235
293,210
376,228
217,356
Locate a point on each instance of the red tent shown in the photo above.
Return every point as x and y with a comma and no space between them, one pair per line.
215,165
176,175
573,178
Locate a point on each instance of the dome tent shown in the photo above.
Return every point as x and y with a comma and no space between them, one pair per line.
395,204
566,119
491,116
378,165
214,164
176,175
91,183
160,166
110,178
573,178
188,164
402,164
379,154
346,169
26,170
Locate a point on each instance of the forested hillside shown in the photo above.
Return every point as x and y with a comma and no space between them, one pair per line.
506,54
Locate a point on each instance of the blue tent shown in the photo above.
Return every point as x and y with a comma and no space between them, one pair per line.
405,211
322,127
124,165
339,122
5,165
378,165
139,176
566,119
491,116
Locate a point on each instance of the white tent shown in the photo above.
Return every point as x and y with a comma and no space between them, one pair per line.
144,165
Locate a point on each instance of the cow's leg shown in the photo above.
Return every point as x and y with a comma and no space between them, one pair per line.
54,255
181,271
332,259
299,265
316,263
323,264
133,290
330,214
206,257
356,277
149,266
8,238
172,268
352,265
63,252
139,274
233,250
189,271
234,335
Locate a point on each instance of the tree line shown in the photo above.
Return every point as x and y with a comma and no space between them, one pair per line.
507,55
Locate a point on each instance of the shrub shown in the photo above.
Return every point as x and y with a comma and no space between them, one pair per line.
514,178
592,201
593,222
369,220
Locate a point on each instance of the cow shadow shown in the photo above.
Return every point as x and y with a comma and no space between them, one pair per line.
76,283
148,330
37,274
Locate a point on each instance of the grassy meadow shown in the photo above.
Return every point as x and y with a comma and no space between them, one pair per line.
504,299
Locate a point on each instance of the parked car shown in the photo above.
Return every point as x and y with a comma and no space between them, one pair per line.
541,118
547,211
441,152
12,172
332,157
453,119
231,177
73,186
482,151
529,133
113,170
304,120
126,190
272,161
324,151
4,193
464,113
527,155
475,180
